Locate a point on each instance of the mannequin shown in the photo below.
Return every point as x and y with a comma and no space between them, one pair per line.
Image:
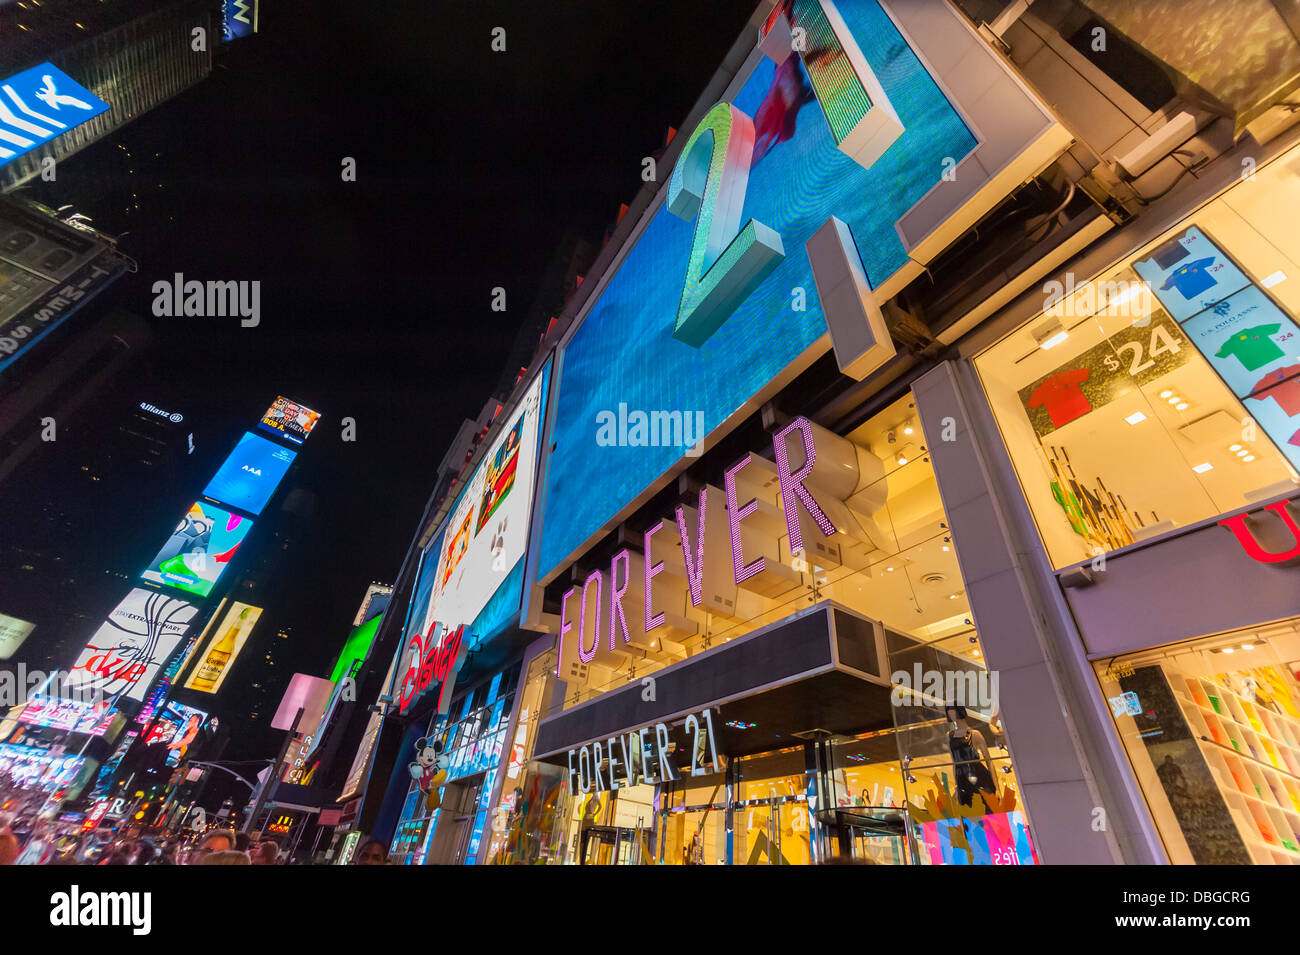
972,765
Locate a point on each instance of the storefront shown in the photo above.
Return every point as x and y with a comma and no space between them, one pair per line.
831,705
1152,419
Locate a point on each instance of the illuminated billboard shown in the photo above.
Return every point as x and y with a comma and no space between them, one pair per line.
175,729
131,646
223,641
12,634
717,301
39,105
199,550
249,477
355,649
75,716
289,420
488,528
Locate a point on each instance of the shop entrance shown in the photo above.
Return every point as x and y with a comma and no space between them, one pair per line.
455,821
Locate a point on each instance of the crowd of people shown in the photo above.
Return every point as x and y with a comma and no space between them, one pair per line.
29,837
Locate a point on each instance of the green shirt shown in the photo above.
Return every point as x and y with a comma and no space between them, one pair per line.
1252,346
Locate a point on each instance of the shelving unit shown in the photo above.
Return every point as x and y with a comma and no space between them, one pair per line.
1254,755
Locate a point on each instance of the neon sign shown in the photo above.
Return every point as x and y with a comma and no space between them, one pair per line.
435,656
794,494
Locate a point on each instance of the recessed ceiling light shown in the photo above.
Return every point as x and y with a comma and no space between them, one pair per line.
1248,646
1174,400
946,548
1229,650
1241,453
1249,457
1234,447
1136,418
902,460
1166,393
1270,280
889,569
1202,468
1181,406
907,430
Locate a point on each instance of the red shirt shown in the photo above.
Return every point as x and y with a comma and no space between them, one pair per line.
1061,396
1283,386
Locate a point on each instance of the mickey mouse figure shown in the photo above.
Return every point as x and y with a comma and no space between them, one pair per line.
429,770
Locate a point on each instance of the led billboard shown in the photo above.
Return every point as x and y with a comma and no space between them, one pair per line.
41,104
175,729
223,641
715,303
355,649
199,550
289,420
249,477
488,527
74,716
131,646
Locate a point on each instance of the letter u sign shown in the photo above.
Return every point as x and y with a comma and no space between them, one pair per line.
1246,537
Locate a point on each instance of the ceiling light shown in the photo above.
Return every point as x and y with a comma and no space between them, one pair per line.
1050,334
902,460
1229,650
1241,453
907,430
1249,457
1248,646
974,653
946,548
1136,417
1271,280
1234,447
1166,393
1202,468
1174,400
1181,406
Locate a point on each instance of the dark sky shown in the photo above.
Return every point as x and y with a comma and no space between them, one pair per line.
375,298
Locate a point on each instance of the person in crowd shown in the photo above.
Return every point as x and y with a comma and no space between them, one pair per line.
220,841
9,847
226,857
372,853
266,853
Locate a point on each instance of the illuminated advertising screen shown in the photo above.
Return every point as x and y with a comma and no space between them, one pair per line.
175,729
355,649
289,420
629,359
222,643
131,646
12,634
488,528
1250,342
199,550
251,474
41,104
75,716
34,768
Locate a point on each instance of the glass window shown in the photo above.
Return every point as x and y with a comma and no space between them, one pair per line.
1166,390
1212,729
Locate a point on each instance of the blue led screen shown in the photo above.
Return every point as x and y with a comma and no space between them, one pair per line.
624,352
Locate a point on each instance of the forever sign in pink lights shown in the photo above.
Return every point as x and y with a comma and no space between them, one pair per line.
794,494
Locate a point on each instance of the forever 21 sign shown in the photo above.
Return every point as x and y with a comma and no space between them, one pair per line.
643,756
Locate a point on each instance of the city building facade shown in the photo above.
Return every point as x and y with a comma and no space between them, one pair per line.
912,480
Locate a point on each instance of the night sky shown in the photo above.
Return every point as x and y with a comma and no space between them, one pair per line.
472,166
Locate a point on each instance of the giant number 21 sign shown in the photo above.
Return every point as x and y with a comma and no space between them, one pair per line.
728,261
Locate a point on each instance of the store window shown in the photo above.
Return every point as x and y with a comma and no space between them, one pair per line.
1166,390
473,740
892,559
1212,729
